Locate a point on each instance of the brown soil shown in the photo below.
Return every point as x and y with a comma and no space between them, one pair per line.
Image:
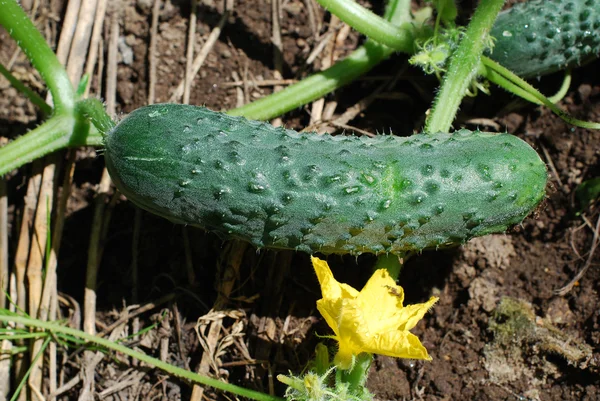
499,331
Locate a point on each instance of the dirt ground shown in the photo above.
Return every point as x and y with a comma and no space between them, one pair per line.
500,330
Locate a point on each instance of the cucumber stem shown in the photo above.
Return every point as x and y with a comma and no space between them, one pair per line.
58,132
43,59
464,64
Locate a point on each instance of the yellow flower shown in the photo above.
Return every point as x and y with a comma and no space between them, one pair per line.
372,320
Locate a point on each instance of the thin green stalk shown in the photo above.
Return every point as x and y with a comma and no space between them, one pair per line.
497,73
464,64
59,132
371,25
31,95
564,88
26,376
33,44
182,373
318,85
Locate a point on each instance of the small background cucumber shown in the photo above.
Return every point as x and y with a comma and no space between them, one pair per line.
543,36
334,194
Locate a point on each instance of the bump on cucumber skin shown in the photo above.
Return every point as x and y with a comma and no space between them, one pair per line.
539,37
277,188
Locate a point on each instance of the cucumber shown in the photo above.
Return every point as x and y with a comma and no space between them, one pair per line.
539,37
278,188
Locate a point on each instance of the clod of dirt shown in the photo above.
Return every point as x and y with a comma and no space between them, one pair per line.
523,341
559,312
484,294
495,250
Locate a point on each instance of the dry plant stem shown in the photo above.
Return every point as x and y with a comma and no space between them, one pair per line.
234,254
99,225
595,240
37,255
189,263
267,82
132,314
316,111
277,49
4,344
69,23
95,41
111,66
189,56
48,305
3,243
271,297
203,53
22,255
152,51
553,169
80,44
135,245
310,10
94,258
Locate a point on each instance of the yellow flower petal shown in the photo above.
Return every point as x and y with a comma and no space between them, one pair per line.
372,320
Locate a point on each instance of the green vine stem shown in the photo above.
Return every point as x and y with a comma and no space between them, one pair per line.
371,25
318,85
58,132
175,371
33,44
31,95
502,76
463,68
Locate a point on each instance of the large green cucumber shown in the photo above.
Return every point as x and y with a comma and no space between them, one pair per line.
320,193
543,36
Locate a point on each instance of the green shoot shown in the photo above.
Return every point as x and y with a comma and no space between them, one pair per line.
463,67
22,30
54,328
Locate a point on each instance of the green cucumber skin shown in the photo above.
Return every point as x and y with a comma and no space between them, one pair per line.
539,37
277,188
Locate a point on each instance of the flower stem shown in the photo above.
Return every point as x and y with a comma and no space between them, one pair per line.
392,263
185,374
356,377
33,44
464,64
